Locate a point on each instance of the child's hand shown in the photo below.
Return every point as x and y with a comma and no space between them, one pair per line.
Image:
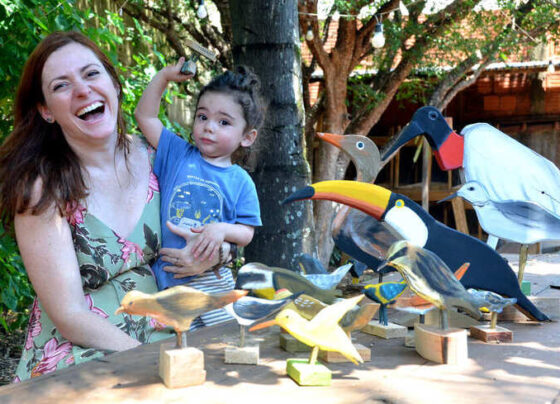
210,238
173,72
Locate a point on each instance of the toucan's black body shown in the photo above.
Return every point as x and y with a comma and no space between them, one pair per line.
488,270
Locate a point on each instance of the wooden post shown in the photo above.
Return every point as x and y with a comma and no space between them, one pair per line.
459,214
426,174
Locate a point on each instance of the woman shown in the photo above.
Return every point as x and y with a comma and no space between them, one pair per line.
84,203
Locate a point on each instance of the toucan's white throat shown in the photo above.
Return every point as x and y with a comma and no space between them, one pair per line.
408,224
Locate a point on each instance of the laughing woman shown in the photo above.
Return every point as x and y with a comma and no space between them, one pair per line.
83,200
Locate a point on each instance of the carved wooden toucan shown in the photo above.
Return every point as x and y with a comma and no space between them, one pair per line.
488,270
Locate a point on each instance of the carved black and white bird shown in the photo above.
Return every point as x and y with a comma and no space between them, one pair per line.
508,170
249,310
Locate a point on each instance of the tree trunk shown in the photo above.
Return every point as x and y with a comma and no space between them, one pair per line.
265,37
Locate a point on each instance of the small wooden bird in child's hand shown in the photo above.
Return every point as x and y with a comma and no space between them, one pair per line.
177,306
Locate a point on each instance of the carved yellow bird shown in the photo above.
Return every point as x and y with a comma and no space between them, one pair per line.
354,319
177,306
322,331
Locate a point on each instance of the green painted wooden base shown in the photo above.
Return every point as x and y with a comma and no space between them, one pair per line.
526,288
306,374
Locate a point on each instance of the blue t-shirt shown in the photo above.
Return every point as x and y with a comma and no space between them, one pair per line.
195,192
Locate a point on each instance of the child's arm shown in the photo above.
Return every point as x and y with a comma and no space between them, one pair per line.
147,110
213,235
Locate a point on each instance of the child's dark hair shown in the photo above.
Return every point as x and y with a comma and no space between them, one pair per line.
245,86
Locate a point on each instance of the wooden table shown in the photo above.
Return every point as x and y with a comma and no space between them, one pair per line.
525,371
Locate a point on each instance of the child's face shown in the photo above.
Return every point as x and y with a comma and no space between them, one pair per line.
219,127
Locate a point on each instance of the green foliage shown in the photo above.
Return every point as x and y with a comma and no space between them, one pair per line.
16,293
362,96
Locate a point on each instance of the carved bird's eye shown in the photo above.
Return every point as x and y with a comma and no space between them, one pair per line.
432,115
360,145
399,203
470,188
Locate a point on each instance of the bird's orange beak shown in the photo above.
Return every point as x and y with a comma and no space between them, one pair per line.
119,310
263,325
331,138
369,198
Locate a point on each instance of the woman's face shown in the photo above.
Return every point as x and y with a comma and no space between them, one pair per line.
79,94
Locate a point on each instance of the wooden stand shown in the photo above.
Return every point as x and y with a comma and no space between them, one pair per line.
492,333
525,288
292,345
409,339
441,346
181,367
488,334
336,357
548,305
388,331
306,374
432,317
247,355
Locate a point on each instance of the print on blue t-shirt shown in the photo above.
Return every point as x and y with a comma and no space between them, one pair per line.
208,208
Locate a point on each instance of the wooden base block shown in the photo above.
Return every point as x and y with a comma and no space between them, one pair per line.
336,357
548,305
526,288
247,355
433,318
388,331
292,345
305,374
487,334
441,346
181,367
409,341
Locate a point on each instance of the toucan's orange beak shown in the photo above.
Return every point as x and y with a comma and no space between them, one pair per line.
369,198
331,138
263,325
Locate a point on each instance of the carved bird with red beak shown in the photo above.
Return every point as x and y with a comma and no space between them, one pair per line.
488,270
506,169
177,306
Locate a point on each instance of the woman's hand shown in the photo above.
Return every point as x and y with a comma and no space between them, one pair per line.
183,262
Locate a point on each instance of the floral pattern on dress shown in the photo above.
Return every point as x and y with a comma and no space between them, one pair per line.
34,327
110,266
53,352
129,248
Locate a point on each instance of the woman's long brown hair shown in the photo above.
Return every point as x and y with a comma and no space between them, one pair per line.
37,149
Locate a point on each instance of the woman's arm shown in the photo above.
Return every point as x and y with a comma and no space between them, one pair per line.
45,243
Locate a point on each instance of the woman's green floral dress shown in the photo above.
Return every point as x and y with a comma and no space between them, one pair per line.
110,266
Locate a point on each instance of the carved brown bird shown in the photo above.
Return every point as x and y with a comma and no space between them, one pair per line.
177,306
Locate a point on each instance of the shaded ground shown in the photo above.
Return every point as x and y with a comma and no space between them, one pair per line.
10,351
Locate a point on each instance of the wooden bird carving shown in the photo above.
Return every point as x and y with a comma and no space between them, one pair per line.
265,281
177,306
323,331
428,276
354,319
